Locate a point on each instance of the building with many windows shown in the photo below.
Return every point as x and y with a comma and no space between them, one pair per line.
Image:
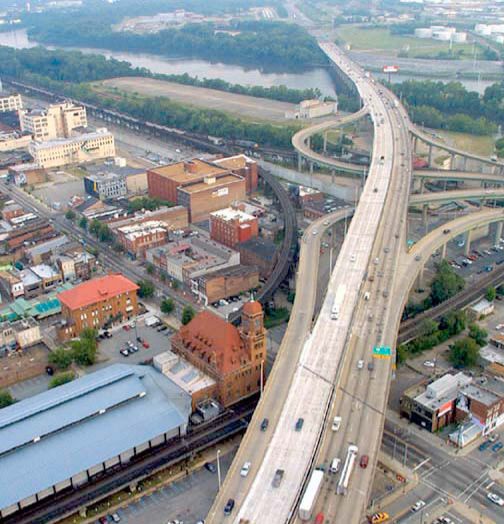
82,148
57,121
97,303
230,226
10,102
106,186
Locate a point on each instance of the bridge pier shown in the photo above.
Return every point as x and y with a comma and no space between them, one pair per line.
452,161
325,142
420,278
468,242
333,174
300,163
498,233
311,167
464,163
425,216
443,251
430,155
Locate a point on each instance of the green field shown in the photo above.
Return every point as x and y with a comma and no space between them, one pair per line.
380,41
478,145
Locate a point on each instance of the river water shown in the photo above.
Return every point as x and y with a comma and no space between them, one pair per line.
315,78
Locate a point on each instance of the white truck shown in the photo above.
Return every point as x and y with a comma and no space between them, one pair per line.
347,470
310,495
337,302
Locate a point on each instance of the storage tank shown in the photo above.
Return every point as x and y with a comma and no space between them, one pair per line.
459,37
423,32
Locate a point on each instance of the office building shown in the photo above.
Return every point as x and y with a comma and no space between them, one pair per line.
230,226
106,186
10,102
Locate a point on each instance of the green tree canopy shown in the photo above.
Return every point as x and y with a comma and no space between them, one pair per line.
446,283
478,334
464,353
490,294
61,358
6,399
188,314
454,322
61,378
70,214
146,288
167,305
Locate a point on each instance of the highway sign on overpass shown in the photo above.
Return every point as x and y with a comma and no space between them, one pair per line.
381,352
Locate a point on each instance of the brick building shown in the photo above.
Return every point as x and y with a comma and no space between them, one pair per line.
231,356
137,238
225,283
173,218
244,166
230,226
96,303
259,252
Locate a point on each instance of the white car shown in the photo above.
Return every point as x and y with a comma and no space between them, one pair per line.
429,364
360,364
245,469
352,258
499,326
496,499
314,232
418,505
336,423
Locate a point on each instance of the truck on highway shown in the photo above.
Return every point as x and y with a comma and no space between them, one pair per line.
347,469
338,301
310,495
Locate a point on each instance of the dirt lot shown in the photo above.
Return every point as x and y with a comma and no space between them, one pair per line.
23,366
241,105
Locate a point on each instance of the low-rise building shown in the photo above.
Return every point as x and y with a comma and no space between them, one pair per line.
97,303
106,186
83,429
10,102
189,258
230,226
482,309
11,211
259,252
27,174
313,109
173,218
225,283
233,357
56,121
42,251
10,141
19,335
76,265
244,166
82,148
137,238
11,284
49,276
32,283
135,178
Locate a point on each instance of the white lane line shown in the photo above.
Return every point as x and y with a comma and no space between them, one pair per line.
418,466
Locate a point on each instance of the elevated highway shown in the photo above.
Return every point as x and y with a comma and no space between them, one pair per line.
458,176
442,197
322,364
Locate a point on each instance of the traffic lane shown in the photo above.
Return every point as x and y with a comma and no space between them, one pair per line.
401,509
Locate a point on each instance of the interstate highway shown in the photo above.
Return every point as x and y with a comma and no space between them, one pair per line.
320,364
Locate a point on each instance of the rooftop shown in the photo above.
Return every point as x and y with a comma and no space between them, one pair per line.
44,247
264,248
144,228
185,172
110,167
230,213
481,395
44,271
210,183
57,142
52,436
443,390
96,290
234,162
214,341
28,277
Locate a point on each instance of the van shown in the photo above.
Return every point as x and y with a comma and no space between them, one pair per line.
335,465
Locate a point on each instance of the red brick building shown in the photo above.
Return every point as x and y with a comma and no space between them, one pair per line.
230,355
230,226
244,166
137,238
96,303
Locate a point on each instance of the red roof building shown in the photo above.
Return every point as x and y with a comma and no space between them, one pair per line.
97,303
230,355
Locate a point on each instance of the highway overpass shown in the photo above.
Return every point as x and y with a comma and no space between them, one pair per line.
442,197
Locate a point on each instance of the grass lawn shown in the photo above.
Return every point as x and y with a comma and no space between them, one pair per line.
380,40
479,145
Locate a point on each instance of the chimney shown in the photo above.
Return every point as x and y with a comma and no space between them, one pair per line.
190,166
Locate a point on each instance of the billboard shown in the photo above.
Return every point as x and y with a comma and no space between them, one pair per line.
390,69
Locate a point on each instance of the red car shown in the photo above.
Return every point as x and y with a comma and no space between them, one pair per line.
364,461
319,519
146,345
126,327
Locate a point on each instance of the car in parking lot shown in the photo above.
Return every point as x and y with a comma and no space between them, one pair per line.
115,517
484,445
493,437
495,499
145,344
210,467
497,446
418,505
49,370
124,352
429,364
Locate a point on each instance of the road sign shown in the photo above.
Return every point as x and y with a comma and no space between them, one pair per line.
390,69
382,352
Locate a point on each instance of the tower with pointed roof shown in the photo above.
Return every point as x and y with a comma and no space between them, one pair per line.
252,331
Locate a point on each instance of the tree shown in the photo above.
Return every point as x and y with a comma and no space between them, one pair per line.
70,214
428,327
167,305
83,222
61,358
61,378
6,399
464,353
84,350
478,334
146,288
446,283
188,314
490,294
454,322
150,269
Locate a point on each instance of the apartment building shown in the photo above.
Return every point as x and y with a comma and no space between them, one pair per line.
83,148
230,226
137,238
57,121
10,102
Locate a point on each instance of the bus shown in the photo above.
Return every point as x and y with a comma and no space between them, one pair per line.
310,495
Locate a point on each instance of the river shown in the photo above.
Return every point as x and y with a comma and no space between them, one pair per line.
315,78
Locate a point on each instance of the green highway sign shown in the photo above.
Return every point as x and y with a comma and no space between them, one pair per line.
382,352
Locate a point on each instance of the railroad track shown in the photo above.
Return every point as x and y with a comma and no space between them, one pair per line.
411,328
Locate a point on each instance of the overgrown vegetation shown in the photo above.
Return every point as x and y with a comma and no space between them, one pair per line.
275,316
62,378
188,314
148,203
6,399
81,351
146,288
464,353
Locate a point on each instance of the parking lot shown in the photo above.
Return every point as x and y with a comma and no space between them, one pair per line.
158,341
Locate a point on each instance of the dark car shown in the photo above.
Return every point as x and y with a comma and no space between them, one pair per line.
264,424
484,446
49,370
497,447
229,507
210,467
299,424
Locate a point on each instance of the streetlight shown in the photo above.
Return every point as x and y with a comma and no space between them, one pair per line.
262,376
218,468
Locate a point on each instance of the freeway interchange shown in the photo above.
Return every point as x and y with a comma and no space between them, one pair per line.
324,379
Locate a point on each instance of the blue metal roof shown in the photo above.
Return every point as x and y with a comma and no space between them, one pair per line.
84,423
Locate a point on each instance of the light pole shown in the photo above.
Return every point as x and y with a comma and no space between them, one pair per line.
262,376
218,468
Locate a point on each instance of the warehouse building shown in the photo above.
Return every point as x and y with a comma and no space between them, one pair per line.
230,226
61,439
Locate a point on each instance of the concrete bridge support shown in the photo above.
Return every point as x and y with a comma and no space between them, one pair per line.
498,233
311,167
430,156
452,161
425,216
464,163
300,163
468,242
325,142
443,251
420,279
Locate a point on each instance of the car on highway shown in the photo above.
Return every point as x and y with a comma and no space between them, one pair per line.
335,465
245,469
336,423
299,424
497,447
353,258
377,518
360,364
364,460
264,424
277,479
314,232
499,326
210,467
228,508
417,506
495,499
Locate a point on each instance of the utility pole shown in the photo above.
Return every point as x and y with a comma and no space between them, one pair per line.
218,468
